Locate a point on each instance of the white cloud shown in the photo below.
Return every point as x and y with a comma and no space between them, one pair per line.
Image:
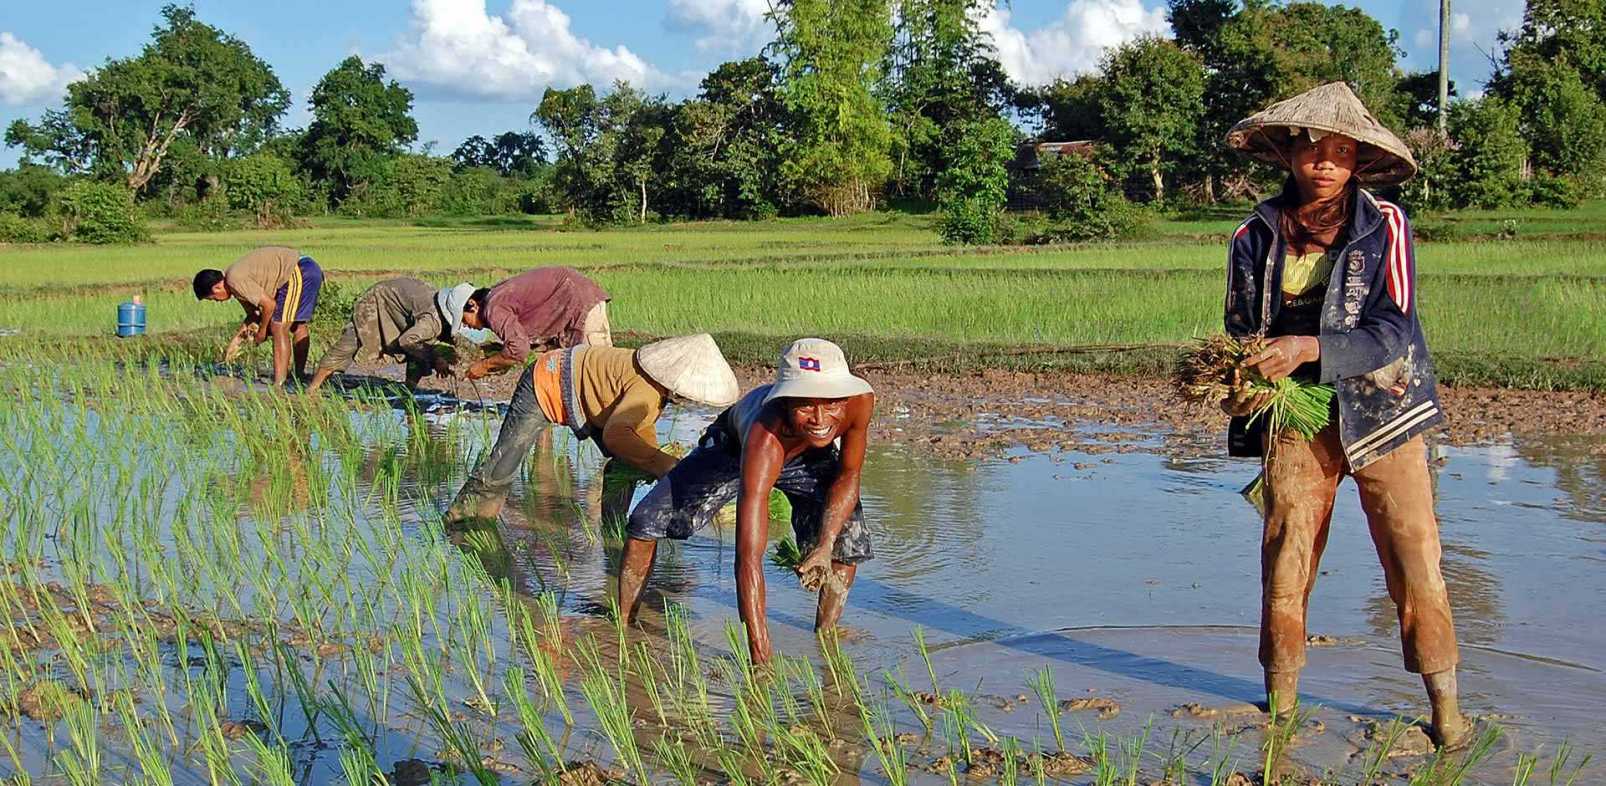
26,77
1475,26
1073,43
723,27
459,49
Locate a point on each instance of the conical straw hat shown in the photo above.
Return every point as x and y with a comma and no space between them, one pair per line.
1384,160
691,367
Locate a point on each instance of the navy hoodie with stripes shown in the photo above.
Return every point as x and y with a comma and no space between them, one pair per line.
1372,348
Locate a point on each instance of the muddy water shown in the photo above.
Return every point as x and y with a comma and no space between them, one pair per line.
1133,576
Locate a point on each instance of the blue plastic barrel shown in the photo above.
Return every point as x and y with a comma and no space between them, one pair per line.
130,319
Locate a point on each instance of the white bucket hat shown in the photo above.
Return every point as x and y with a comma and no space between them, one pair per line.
451,301
814,368
691,367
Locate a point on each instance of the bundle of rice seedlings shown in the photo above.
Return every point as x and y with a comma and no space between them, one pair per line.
786,555
1209,372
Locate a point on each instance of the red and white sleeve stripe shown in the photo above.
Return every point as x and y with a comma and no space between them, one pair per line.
1400,257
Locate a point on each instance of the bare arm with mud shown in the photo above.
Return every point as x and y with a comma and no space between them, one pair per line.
762,459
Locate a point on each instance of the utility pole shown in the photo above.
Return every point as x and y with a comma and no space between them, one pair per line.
1444,66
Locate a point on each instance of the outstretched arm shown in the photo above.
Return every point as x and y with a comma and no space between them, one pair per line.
761,465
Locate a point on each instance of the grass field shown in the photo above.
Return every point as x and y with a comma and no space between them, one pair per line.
1514,298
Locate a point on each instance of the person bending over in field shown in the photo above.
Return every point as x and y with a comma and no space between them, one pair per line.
543,307
1326,272
610,395
399,321
782,436
278,288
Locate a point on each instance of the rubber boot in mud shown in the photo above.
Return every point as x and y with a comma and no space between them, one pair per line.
1451,730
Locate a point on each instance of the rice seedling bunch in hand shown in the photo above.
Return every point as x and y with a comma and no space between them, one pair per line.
786,555
1215,369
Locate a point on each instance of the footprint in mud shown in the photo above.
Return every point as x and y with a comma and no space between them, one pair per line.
237,729
1106,708
989,763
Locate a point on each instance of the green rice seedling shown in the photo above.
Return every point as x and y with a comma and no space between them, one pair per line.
457,736
1039,766
1132,750
676,760
1205,374
544,662
1012,754
919,634
807,754
1380,752
1223,763
730,763
1174,762
786,555
814,689
653,680
1042,685
1279,734
913,702
608,704
1559,774
538,745
154,769
882,735
1524,769
1449,769
80,762
19,773
1105,770
843,672
306,698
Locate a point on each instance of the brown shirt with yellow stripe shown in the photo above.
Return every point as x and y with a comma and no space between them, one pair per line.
619,403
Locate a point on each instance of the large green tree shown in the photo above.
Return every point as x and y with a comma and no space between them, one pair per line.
360,123
1151,102
1554,72
724,145
610,149
833,55
942,73
191,82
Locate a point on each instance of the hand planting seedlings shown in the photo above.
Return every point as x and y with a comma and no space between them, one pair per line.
1216,372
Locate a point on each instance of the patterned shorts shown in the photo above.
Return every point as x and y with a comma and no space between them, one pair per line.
297,297
709,477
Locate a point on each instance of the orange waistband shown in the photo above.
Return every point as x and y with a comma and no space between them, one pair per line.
549,385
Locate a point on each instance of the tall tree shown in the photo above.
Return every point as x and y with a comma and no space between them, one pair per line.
1554,73
191,81
610,150
1151,102
725,144
833,54
510,153
942,73
359,123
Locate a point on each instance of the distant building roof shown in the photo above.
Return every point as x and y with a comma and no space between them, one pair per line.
1031,155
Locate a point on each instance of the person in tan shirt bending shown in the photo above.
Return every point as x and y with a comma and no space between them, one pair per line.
278,289
611,395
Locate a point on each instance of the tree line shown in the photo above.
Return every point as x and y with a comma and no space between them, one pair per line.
854,104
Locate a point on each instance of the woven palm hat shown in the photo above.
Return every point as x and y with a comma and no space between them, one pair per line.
691,367
1333,108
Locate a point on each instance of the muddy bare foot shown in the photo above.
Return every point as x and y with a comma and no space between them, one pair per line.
1453,735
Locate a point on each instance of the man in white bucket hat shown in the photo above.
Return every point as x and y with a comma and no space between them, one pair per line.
611,395
805,434
398,321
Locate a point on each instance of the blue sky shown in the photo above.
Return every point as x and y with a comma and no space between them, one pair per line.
478,66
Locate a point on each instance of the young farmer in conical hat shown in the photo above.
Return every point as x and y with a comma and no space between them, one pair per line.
611,395
779,436
1325,271
399,320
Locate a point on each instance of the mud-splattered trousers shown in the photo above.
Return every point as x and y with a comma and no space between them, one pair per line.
708,478
1302,477
487,486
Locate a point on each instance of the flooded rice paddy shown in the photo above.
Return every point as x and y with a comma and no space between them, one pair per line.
212,584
